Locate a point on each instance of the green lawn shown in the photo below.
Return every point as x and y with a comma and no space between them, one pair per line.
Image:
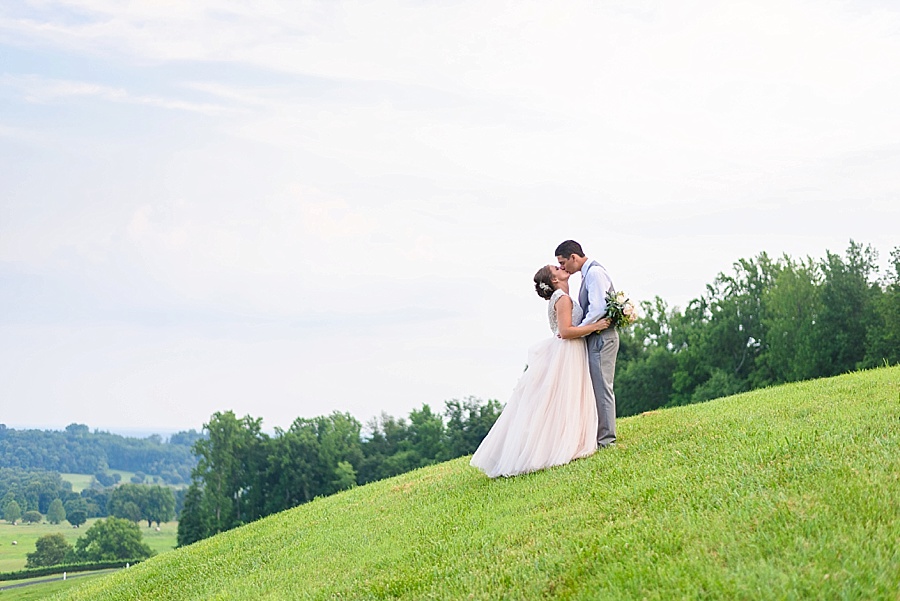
785,493
12,557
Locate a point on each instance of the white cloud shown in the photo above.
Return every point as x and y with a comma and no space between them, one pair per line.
295,190
43,90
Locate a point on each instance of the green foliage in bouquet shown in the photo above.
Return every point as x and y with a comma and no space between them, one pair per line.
620,309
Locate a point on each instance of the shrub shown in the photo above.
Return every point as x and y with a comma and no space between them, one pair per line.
32,517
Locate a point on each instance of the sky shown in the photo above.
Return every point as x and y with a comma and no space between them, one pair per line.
286,209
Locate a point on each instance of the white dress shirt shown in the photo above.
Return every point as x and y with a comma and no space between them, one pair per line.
598,284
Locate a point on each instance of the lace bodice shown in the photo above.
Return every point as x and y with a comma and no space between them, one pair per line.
577,313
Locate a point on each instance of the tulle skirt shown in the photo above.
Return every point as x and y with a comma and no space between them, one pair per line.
551,417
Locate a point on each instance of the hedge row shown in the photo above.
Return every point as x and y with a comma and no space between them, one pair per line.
71,567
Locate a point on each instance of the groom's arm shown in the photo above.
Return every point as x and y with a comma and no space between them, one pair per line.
597,282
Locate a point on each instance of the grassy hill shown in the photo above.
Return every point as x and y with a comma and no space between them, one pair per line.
784,493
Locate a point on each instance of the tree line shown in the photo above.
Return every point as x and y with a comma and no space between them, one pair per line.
243,474
78,450
768,321
32,496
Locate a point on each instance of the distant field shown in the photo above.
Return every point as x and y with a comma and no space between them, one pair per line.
82,481
12,557
79,481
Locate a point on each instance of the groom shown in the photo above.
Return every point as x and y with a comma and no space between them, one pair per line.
601,346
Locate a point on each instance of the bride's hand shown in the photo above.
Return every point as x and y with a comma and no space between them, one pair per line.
603,324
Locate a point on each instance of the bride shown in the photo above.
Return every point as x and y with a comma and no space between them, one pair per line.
551,417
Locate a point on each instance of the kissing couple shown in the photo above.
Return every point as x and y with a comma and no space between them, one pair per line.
563,406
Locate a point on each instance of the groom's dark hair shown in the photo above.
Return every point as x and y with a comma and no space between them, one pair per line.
569,248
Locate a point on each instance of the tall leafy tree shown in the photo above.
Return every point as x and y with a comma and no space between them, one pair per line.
793,309
645,384
883,335
76,511
293,469
467,423
128,502
111,539
387,449
646,367
193,521
12,512
427,436
50,550
847,313
229,461
160,505
77,517
338,438
56,513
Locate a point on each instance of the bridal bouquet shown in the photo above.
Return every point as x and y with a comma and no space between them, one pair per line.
620,309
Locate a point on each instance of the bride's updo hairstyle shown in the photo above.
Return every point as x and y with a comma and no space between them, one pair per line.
543,282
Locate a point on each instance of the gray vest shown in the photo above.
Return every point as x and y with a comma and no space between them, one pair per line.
583,298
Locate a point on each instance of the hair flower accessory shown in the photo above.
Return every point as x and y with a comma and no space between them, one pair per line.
545,287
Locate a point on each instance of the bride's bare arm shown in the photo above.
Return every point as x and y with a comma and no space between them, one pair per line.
564,321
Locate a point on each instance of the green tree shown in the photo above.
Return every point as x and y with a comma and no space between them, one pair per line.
128,502
96,501
293,467
111,539
793,308
338,436
848,310
387,450
56,513
77,517
883,335
192,523
647,363
129,510
50,550
105,478
12,512
344,476
723,334
467,423
644,384
32,517
229,461
76,511
427,436
160,505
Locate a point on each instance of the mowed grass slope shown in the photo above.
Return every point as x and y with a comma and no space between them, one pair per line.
785,493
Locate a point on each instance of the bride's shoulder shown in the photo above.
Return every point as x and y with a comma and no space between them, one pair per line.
559,295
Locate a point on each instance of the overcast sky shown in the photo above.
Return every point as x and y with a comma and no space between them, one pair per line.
290,208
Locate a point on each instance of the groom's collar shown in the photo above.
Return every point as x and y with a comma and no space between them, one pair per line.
586,266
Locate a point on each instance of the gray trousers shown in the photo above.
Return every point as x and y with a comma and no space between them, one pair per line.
602,348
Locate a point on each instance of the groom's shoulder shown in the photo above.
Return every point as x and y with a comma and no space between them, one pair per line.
599,270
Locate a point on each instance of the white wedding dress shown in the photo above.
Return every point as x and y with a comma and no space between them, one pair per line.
551,417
